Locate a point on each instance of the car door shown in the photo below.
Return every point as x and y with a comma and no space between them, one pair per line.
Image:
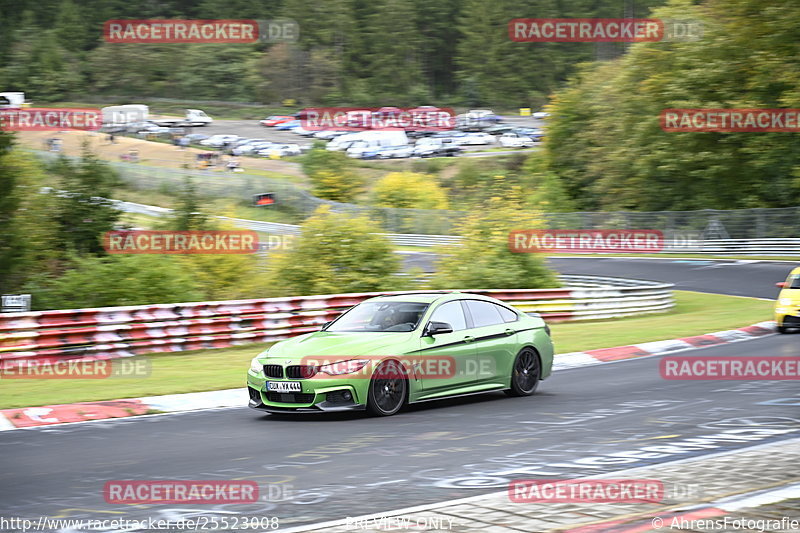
495,340
455,349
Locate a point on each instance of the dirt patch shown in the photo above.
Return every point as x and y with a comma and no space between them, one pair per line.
149,152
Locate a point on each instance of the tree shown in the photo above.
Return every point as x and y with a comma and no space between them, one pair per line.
38,65
394,58
409,189
335,253
549,193
483,260
70,27
9,204
331,174
605,142
84,210
115,280
188,214
28,236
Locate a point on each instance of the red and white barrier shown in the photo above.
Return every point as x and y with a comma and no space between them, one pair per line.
112,332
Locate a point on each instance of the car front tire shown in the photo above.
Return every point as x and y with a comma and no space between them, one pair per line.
525,374
782,329
388,389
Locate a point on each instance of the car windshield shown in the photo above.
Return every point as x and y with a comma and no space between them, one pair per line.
380,316
793,282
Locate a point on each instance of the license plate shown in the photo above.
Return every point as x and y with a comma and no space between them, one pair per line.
284,386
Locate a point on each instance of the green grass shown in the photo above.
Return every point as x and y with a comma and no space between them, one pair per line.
204,370
694,314
170,373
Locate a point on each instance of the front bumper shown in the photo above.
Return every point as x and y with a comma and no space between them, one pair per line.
788,317
316,395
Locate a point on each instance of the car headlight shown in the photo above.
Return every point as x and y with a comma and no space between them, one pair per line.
256,366
343,367
785,301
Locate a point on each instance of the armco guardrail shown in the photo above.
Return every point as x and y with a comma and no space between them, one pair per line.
780,247
111,332
774,247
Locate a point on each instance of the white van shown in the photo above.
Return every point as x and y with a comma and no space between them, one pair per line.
12,100
370,140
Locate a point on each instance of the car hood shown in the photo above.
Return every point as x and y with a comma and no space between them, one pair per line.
792,294
345,344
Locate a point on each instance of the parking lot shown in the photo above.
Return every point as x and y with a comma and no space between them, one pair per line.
250,129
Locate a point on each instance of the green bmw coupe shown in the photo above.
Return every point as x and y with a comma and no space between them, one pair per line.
393,350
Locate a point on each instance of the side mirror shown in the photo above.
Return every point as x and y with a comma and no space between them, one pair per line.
437,328
781,284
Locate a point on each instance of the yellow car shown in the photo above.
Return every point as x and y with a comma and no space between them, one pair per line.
787,308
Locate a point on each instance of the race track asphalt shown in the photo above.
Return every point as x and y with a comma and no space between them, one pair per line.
582,421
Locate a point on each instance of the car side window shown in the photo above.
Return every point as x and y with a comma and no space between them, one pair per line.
484,313
507,314
452,313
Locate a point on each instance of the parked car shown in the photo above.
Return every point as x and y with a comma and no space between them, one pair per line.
420,134
339,147
441,148
280,150
477,120
394,152
153,130
368,140
299,130
541,115
276,120
219,140
251,148
479,138
196,137
499,129
515,140
327,135
536,135
287,125
373,152
244,140
138,127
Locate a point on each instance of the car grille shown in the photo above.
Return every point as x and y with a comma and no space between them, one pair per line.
300,371
791,321
273,371
290,397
